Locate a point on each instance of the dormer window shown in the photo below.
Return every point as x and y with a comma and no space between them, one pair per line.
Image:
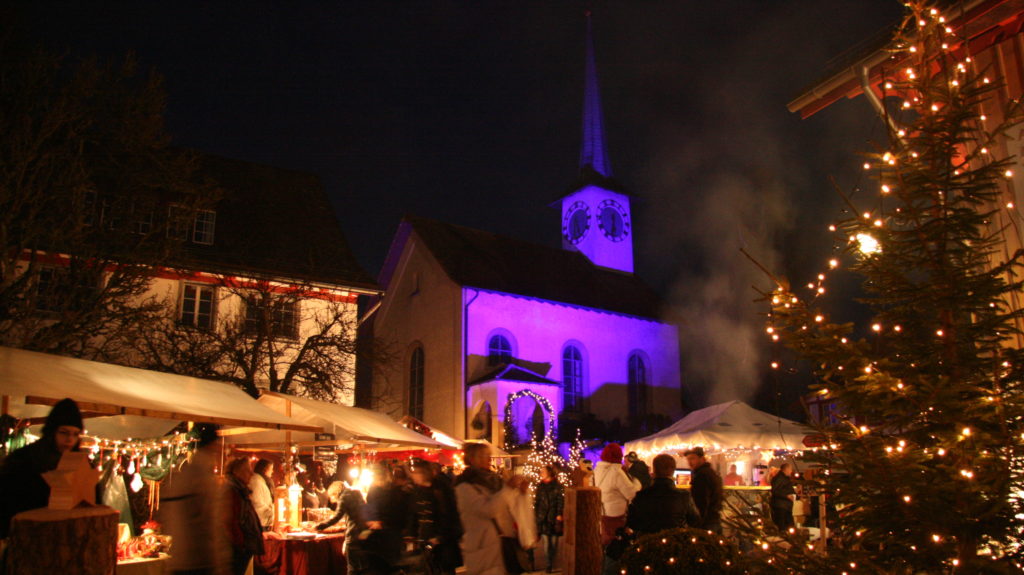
188,225
202,231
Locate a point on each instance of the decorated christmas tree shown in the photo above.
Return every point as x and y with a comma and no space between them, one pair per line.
925,465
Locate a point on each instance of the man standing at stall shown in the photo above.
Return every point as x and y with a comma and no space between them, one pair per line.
706,488
782,498
662,506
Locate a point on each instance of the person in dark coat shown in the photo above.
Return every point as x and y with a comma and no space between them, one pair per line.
351,507
387,516
638,469
549,504
706,489
435,517
782,498
662,505
22,486
243,524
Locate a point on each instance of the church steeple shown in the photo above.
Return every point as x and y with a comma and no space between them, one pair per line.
595,215
594,152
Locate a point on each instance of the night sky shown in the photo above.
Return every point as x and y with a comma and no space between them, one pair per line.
469,112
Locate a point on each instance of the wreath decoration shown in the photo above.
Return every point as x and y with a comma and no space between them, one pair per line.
510,424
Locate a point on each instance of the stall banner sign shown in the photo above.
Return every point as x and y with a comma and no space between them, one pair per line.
324,452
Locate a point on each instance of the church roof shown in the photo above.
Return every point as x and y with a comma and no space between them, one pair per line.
512,372
480,259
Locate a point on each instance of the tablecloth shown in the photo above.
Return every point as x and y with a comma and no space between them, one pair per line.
155,566
321,556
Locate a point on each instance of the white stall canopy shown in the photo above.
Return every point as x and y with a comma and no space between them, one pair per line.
733,425
31,381
350,426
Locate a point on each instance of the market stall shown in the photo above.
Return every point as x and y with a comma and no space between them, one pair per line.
731,433
359,435
121,402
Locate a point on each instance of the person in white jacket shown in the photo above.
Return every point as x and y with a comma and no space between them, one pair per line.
617,487
262,498
478,495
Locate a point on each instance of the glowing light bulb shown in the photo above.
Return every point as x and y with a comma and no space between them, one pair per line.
867,244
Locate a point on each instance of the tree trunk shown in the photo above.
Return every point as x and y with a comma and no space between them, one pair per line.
66,541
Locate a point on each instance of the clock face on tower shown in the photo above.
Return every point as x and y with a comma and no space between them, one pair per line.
576,222
613,220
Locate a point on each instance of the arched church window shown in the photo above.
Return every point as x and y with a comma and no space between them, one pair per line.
638,386
572,379
499,350
416,386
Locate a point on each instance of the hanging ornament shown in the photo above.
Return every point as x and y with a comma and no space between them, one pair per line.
136,483
131,467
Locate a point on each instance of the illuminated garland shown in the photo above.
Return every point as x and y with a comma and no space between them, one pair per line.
510,427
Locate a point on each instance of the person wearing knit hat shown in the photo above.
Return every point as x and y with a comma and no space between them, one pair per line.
612,453
617,490
22,486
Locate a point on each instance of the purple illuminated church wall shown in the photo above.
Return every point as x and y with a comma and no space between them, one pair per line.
541,330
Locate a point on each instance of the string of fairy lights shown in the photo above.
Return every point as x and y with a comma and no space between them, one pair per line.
132,456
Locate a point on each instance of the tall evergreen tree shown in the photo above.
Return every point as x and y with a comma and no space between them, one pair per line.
926,465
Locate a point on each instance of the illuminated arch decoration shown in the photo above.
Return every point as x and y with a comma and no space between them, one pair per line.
510,424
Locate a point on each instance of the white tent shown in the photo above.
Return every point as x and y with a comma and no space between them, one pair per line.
135,397
733,425
351,426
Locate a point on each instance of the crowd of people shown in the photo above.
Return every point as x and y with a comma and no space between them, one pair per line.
416,517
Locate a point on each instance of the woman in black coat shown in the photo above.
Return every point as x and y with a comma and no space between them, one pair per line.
549,504
22,486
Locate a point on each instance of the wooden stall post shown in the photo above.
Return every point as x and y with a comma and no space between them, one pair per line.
582,553
823,521
81,541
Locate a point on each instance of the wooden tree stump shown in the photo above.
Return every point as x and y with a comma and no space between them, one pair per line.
63,541
582,552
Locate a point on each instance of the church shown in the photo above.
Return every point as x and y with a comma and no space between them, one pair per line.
503,339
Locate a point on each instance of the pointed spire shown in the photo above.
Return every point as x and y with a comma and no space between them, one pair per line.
595,150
